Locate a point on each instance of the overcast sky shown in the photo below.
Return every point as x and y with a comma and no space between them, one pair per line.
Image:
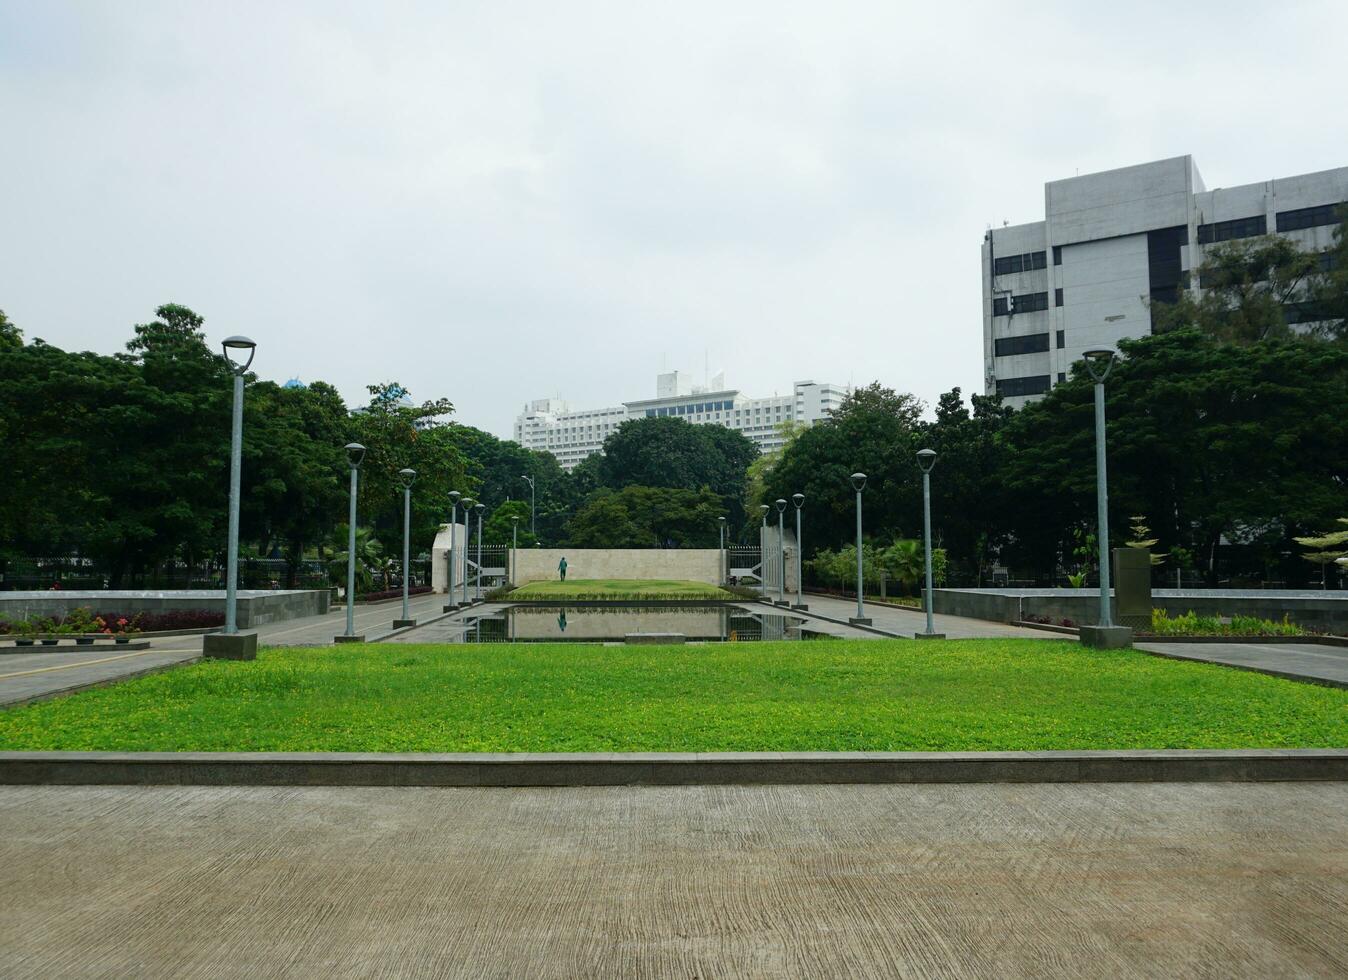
504,201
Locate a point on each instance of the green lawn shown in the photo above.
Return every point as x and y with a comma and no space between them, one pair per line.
620,588
843,694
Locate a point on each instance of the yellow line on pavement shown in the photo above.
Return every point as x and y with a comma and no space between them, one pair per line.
88,663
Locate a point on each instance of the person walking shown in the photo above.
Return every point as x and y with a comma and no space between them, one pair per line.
561,568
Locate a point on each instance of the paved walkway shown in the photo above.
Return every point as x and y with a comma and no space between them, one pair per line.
906,622
1033,880
1302,661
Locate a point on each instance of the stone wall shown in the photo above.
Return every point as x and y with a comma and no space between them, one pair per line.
1319,610
692,565
255,607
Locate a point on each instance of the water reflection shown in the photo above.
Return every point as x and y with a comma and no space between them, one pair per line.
543,624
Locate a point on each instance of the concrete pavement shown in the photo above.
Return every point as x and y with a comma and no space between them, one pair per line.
906,622
857,881
1300,661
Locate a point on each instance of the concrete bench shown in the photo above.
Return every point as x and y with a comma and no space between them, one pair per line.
654,638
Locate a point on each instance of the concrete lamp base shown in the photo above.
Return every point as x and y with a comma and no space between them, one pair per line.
450,607
799,605
229,646
859,620
402,624
353,638
781,602
1107,637
929,636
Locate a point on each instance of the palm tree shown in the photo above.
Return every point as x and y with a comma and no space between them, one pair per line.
369,553
904,560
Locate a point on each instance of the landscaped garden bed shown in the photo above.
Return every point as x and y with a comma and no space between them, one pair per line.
629,590
84,625
393,593
843,695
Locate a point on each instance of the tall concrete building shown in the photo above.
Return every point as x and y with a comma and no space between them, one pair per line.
1112,244
551,425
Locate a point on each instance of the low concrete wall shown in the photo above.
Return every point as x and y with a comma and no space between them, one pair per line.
691,565
256,607
1320,610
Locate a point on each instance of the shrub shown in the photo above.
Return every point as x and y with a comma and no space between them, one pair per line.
1191,624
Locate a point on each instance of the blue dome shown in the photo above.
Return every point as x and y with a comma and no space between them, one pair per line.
294,383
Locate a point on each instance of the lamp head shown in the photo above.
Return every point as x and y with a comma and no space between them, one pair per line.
926,459
479,508
858,481
355,452
781,504
514,520
1099,362
763,508
240,345
721,519
799,499
454,496
408,476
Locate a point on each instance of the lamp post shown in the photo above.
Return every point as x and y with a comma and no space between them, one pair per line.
514,544
725,565
799,500
231,644
408,477
532,513
467,536
1099,362
781,550
454,496
926,459
355,452
763,550
479,508
858,484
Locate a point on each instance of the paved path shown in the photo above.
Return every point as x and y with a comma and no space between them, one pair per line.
1302,661
27,676
373,620
906,622
836,881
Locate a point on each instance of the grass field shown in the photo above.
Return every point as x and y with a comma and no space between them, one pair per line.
828,695
618,588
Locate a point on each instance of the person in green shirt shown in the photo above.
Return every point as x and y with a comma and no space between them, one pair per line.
561,568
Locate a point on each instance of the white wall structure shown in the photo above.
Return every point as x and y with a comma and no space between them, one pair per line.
448,533
689,565
1113,243
550,424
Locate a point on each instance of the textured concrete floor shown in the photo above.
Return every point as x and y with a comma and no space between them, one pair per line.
858,881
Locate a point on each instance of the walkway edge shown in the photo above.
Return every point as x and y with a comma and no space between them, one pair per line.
667,769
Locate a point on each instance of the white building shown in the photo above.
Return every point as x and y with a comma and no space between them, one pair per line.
550,425
1111,244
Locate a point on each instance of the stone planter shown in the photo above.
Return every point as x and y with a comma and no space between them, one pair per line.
121,638
23,641
49,642
84,641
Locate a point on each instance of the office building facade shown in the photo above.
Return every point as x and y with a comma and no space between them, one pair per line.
1114,244
552,426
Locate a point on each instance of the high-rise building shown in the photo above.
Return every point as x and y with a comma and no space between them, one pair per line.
1113,244
549,424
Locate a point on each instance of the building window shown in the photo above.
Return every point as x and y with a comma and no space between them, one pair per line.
1025,303
1035,343
1027,262
1013,387
1057,255
1222,231
1323,214
1057,296
1062,339
1062,376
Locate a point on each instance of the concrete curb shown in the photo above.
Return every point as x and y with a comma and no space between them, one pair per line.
810,614
1289,675
667,769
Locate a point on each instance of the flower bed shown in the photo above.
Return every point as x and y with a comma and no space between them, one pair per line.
1191,624
393,593
82,622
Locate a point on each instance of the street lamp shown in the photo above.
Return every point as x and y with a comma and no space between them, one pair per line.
1099,362
514,543
926,459
858,484
763,551
408,477
454,496
781,550
799,500
231,644
467,535
355,452
532,514
725,565
479,508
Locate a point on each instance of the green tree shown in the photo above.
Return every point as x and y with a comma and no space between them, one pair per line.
603,522
652,517
499,528
1248,286
1326,549
11,337
1329,291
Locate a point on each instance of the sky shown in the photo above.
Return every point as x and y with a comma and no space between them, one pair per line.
498,202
